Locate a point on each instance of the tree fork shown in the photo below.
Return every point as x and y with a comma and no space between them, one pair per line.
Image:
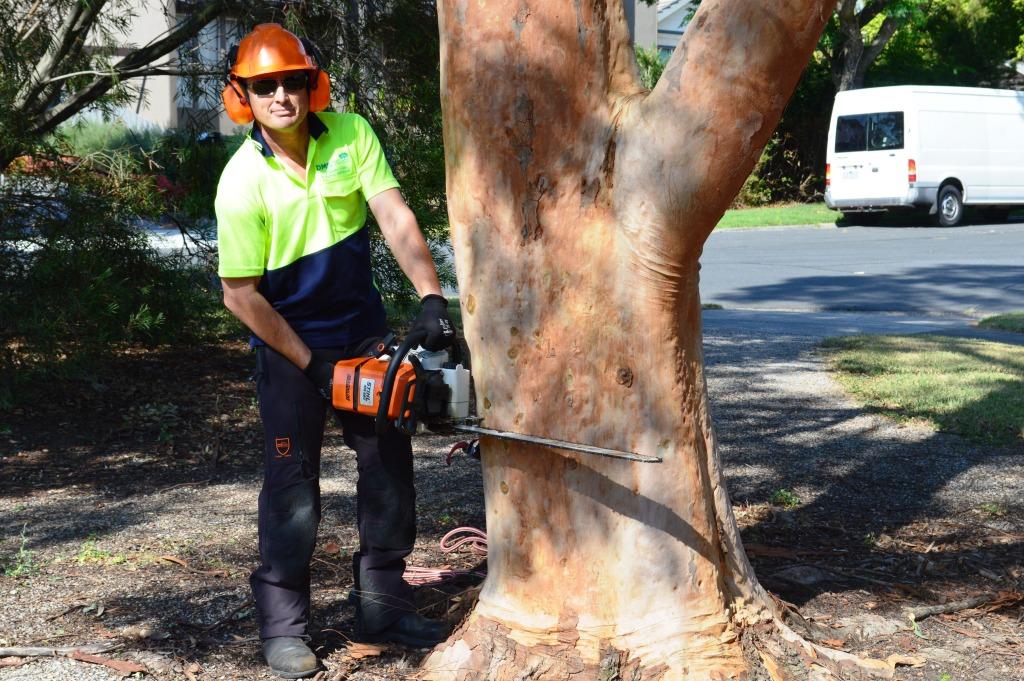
579,206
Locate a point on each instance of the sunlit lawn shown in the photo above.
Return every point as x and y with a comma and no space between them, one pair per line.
781,214
1011,321
971,387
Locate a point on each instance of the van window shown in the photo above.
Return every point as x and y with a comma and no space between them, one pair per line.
869,132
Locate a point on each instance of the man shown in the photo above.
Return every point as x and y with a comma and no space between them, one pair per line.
295,266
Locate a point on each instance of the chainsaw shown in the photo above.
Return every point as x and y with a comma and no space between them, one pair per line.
406,386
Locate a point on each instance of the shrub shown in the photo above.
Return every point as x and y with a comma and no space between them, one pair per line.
77,277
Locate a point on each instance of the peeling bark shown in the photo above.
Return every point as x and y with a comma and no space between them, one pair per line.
579,206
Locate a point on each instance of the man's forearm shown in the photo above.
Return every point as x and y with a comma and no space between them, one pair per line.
402,233
413,256
253,310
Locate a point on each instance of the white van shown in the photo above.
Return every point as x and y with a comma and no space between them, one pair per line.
929,147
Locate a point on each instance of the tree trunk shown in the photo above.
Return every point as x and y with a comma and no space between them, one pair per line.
852,56
579,206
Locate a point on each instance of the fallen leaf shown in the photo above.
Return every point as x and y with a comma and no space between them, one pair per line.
191,670
331,547
834,643
896,660
358,651
123,666
14,661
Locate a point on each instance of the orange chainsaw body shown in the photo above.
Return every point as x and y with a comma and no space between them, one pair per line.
358,384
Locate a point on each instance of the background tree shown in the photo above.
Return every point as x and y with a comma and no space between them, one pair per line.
955,42
859,31
61,57
579,205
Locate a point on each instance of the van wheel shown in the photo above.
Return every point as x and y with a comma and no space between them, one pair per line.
949,206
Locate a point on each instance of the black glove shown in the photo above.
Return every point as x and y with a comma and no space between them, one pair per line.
433,318
321,373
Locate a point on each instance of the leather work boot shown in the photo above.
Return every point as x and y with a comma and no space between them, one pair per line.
289,657
412,629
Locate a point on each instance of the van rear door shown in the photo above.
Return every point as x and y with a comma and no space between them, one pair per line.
869,159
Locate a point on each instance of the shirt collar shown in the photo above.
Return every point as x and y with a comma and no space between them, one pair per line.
316,128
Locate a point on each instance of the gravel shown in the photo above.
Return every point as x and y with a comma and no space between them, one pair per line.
783,424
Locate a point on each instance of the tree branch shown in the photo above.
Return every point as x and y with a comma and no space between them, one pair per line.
877,44
133,64
155,70
77,20
22,31
733,95
871,10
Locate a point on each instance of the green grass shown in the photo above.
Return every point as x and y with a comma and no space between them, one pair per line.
90,136
784,498
90,553
971,387
23,562
1011,321
781,214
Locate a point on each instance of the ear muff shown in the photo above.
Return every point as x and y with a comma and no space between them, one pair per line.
320,92
235,104
320,88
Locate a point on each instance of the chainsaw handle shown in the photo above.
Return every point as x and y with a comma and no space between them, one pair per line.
411,341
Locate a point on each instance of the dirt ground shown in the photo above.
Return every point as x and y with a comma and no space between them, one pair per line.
129,520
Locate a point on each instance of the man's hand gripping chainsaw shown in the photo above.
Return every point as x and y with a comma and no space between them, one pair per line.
403,389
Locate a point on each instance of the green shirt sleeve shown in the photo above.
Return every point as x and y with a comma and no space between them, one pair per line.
241,229
374,172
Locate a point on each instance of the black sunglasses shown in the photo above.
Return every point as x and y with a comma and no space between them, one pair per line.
264,87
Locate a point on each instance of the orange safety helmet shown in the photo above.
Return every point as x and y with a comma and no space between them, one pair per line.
267,49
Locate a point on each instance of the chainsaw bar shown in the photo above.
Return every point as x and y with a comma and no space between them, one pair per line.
560,444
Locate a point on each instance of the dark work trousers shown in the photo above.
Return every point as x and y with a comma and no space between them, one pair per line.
293,416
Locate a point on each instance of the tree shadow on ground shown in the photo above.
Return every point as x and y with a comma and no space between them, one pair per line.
920,290
859,477
864,483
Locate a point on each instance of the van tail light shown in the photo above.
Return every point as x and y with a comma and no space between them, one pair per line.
828,174
911,170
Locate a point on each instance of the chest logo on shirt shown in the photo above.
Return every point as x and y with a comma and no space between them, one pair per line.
339,164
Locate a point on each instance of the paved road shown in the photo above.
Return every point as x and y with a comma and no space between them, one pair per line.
973,270
772,325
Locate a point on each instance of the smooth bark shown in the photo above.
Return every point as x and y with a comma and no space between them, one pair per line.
579,206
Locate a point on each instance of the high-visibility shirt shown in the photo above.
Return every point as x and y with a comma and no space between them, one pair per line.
306,239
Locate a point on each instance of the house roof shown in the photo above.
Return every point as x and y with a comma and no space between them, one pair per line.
667,7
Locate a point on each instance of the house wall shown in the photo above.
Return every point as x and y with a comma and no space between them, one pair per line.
644,27
167,101
155,104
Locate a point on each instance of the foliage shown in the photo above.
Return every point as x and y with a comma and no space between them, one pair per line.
651,65
77,275
858,32
956,42
61,57
784,498
23,562
89,135
1011,321
186,167
971,387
